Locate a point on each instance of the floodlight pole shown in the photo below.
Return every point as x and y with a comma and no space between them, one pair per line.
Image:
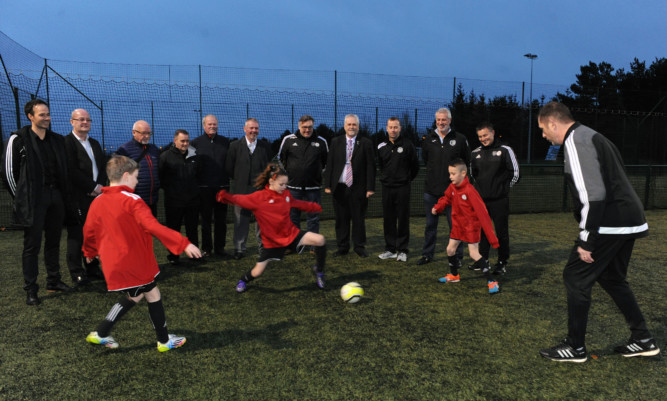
530,105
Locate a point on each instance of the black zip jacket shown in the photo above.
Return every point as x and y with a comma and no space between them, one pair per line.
178,173
22,171
437,157
304,159
605,203
398,162
212,155
494,169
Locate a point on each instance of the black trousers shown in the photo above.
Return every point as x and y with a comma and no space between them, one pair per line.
396,212
350,207
609,269
212,212
49,216
499,211
75,259
175,215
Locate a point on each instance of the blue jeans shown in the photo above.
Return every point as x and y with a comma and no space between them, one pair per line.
312,219
431,229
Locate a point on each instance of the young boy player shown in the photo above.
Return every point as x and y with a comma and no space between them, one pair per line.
120,229
469,216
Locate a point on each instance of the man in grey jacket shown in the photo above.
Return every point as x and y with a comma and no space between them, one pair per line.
610,217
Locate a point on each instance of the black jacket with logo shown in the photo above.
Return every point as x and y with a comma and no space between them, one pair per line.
398,162
494,169
437,156
304,159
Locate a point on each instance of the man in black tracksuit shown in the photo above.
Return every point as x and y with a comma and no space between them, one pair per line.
495,170
212,149
399,165
438,150
179,168
610,217
35,170
304,156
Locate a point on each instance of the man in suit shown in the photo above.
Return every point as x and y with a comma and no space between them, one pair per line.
86,164
246,159
350,177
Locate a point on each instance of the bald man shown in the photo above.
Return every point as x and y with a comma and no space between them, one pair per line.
86,172
142,151
611,217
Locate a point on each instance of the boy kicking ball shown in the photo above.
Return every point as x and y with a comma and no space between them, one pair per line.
469,216
120,229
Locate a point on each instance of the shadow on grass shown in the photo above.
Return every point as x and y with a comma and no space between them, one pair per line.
332,284
366,277
168,271
272,335
526,272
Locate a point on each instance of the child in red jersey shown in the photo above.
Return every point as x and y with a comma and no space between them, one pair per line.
119,229
469,217
271,206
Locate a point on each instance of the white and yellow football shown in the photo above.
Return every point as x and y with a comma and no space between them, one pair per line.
351,292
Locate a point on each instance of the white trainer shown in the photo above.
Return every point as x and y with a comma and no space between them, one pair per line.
387,255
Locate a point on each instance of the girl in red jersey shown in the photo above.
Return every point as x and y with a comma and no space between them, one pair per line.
271,206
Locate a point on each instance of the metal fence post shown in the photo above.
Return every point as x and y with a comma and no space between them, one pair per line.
647,187
104,146
18,107
152,123
416,131
201,107
46,74
335,101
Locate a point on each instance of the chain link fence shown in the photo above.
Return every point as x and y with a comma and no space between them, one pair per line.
177,97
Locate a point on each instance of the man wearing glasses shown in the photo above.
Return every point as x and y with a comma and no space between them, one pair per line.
304,156
86,169
147,155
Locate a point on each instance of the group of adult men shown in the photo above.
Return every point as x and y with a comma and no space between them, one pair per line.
54,179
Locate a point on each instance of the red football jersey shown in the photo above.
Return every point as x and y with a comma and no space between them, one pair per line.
120,229
469,214
272,211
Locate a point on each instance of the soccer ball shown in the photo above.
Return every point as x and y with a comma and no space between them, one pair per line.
351,292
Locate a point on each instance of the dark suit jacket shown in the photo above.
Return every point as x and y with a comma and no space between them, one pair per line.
80,175
363,164
243,168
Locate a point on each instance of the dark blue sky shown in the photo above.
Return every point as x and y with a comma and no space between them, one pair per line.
483,40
